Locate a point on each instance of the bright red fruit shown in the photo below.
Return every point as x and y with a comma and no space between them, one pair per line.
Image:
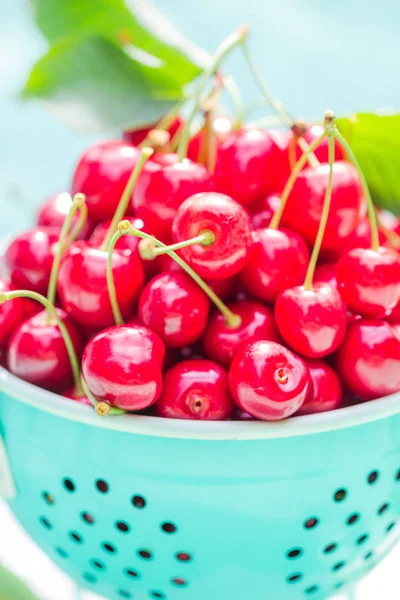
122,366
102,174
196,389
368,361
54,211
174,306
308,195
12,313
137,136
164,183
313,322
263,211
221,342
394,316
82,283
37,353
369,280
29,258
326,273
326,391
268,381
321,152
222,127
278,260
230,224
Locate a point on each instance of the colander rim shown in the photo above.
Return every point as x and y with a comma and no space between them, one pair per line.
352,416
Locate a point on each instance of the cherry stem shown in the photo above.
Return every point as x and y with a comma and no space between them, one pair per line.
308,282
370,204
83,213
276,219
146,152
232,320
102,408
205,238
210,141
73,359
237,100
234,39
118,318
77,203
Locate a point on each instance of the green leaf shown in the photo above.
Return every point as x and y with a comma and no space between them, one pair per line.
375,140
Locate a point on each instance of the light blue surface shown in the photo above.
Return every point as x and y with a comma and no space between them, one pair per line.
316,54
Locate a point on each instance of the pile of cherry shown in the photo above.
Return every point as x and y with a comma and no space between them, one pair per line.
267,342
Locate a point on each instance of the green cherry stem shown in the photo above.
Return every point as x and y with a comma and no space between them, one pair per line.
234,39
118,318
83,213
232,320
276,219
205,238
370,204
146,152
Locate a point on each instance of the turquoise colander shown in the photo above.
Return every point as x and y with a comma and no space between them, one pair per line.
139,507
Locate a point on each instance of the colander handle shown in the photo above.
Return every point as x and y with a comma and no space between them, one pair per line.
8,490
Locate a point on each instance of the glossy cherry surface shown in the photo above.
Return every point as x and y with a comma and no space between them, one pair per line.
122,366
174,306
54,211
326,391
12,313
163,185
313,322
368,361
37,352
221,128
230,224
102,174
394,316
196,389
268,381
220,342
278,260
369,280
82,283
137,136
29,258
263,211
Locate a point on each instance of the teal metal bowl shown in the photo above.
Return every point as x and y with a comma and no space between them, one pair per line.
141,507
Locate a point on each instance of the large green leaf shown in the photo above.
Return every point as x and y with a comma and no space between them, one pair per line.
375,139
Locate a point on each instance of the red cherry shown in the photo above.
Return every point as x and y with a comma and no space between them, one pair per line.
221,342
175,307
304,206
326,391
11,314
82,283
102,174
164,183
137,136
37,352
77,396
29,258
268,381
313,322
394,316
369,280
278,260
196,389
31,307
230,224
326,273
54,211
222,127
313,132
368,361
263,211
250,164
122,366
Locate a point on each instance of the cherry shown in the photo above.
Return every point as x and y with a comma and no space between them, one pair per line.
54,211
221,128
221,342
163,185
308,192
278,260
326,273
394,316
122,366
102,174
137,136
11,314
173,305
268,381
29,258
196,389
368,361
263,211
77,396
31,307
82,283
312,133
326,391
360,238
312,321
250,164
369,280
37,352
230,229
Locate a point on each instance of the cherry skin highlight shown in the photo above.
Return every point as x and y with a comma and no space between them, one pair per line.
196,389
278,260
220,342
230,224
268,381
312,322
326,391
12,313
122,366
55,210
174,306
